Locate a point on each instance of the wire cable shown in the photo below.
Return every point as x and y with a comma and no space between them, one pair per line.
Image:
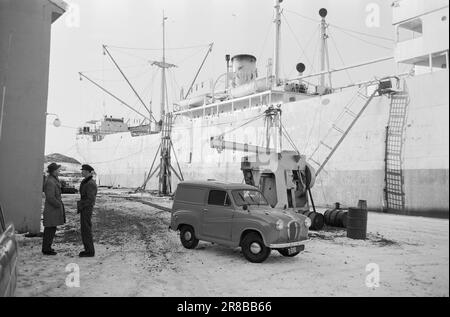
296,39
157,49
362,33
365,41
341,58
342,28
267,36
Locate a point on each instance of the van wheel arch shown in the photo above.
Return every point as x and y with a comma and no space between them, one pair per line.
248,231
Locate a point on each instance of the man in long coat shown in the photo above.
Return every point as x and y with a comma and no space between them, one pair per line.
54,212
85,207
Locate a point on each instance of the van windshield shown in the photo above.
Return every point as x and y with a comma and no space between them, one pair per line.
249,197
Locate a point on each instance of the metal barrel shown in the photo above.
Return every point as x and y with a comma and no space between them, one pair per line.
317,220
335,218
326,216
357,223
344,219
341,219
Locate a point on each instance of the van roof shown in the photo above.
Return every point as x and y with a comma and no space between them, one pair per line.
217,185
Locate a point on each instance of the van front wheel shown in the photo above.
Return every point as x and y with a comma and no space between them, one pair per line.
254,249
187,237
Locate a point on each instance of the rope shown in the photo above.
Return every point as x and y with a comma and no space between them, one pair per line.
296,39
157,49
303,16
365,41
342,28
341,58
288,137
362,33
267,36
248,122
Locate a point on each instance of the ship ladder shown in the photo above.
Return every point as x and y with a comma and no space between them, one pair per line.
394,180
341,127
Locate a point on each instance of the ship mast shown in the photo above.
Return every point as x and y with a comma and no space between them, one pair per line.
163,65
277,45
163,71
324,56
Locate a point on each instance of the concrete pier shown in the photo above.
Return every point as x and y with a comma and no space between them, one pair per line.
25,28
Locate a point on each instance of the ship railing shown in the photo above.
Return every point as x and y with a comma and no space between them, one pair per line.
375,82
255,100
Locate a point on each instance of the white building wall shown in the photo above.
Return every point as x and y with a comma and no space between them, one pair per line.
25,27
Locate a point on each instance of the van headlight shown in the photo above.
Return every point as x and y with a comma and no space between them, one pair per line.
307,222
279,225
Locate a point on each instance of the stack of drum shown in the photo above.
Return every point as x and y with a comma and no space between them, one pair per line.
317,220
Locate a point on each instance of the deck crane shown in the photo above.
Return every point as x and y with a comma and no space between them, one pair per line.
284,177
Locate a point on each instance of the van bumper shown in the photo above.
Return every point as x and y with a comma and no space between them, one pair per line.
288,245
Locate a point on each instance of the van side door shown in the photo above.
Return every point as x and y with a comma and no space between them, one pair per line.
218,215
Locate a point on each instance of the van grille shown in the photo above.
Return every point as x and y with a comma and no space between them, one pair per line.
293,231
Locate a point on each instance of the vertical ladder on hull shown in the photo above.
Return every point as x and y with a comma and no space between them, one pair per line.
165,186
394,181
340,128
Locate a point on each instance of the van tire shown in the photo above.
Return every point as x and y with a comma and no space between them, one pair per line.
187,237
250,240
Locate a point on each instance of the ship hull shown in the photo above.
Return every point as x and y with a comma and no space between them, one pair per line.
356,171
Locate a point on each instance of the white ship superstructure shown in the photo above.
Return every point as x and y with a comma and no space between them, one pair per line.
395,155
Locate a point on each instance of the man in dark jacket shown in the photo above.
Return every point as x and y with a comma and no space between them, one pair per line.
85,207
54,212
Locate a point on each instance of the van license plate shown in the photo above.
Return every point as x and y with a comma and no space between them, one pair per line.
294,250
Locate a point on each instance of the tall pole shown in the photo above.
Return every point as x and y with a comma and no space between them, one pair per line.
276,55
151,114
324,57
163,72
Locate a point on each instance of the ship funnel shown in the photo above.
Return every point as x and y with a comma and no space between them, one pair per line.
244,69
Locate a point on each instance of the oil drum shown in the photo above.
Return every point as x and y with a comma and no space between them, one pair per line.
357,223
333,215
326,216
343,219
336,218
317,219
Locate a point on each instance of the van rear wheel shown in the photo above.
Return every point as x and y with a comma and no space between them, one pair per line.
187,237
254,249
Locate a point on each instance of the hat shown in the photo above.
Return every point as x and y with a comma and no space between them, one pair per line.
52,167
87,167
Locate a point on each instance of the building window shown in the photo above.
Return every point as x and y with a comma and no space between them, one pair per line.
409,30
439,60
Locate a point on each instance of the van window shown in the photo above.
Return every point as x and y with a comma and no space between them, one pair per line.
191,194
218,198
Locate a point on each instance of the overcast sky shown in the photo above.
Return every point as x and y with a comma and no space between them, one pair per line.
235,27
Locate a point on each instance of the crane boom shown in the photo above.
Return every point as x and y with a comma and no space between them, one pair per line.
220,144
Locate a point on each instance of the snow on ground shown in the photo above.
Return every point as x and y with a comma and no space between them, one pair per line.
138,256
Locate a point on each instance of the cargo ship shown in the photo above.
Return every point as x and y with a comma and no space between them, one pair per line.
390,149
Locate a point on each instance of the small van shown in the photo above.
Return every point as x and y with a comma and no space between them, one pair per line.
236,215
